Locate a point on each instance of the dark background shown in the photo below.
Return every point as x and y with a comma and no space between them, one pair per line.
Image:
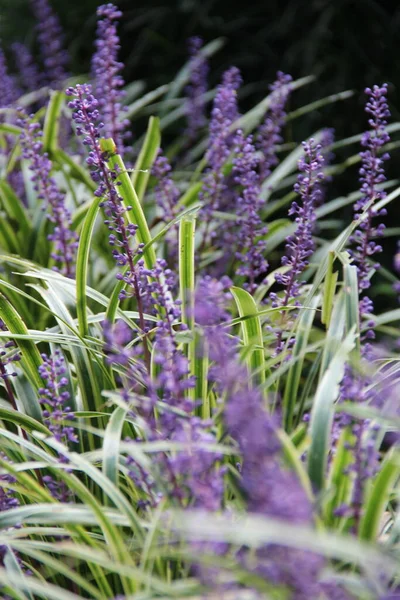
348,44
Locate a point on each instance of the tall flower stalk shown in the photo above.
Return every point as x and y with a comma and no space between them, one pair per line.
269,133
109,83
87,119
251,246
372,175
65,240
195,102
300,245
51,40
224,113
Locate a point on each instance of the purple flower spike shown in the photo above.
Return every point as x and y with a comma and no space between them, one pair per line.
251,247
269,133
224,113
9,91
51,39
30,76
65,240
300,245
54,398
372,174
195,105
167,196
106,69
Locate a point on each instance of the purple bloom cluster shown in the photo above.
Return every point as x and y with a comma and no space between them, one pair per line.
224,113
251,246
372,174
64,238
51,40
195,104
268,487
300,245
107,72
87,120
30,77
54,398
269,134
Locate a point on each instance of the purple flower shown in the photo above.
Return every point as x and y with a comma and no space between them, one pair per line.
372,174
29,74
251,246
269,133
65,240
224,113
51,40
106,69
122,234
167,196
300,245
9,90
195,103
54,398
269,489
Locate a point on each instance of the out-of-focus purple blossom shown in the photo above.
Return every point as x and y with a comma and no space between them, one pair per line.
55,397
300,245
166,192
269,133
51,39
372,175
29,74
195,103
326,141
64,238
167,196
396,265
224,113
9,90
269,488
251,246
109,82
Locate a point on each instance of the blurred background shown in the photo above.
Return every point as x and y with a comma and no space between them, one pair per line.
346,43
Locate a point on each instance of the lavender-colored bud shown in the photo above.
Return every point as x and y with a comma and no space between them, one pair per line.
106,69
195,103
167,196
65,240
51,40
251,246
269,134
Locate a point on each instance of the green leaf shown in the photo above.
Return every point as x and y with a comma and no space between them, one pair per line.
30,356
112,438
329,290
51,128
128,193
322,412
148,153
251,334
291,394
377,500
82,265
351,299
